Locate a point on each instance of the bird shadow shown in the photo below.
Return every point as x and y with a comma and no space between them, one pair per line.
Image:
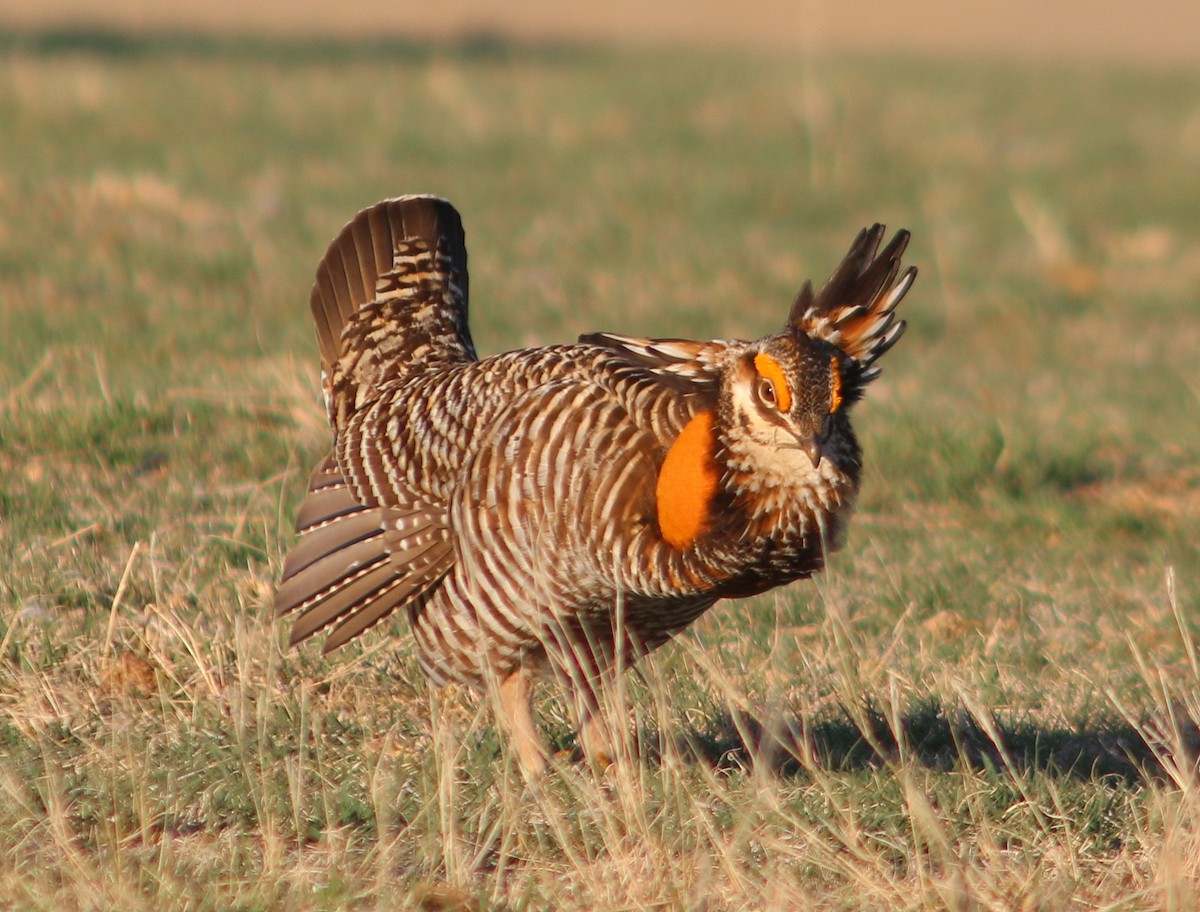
928,734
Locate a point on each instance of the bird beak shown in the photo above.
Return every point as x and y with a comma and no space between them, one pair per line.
812,446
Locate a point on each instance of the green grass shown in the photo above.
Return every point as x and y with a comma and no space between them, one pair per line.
988,702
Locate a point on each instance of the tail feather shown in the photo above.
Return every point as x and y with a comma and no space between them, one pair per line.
390,298
855,309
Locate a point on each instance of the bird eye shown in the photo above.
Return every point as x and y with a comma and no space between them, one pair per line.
766,391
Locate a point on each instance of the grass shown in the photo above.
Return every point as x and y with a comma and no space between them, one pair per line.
988,702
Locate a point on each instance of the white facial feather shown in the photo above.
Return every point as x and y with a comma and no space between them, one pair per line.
773,453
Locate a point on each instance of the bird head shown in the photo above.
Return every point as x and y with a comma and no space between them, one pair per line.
786,394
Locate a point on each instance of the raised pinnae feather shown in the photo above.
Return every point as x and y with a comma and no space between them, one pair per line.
854,310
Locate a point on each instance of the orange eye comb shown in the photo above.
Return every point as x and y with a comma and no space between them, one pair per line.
835,393
768,367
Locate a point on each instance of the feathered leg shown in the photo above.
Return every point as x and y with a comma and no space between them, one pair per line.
516,714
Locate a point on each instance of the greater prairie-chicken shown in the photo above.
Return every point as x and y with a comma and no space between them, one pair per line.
573,507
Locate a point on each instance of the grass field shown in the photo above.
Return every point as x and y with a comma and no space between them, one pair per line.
991,699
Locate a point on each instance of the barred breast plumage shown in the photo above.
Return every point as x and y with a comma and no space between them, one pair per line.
566,508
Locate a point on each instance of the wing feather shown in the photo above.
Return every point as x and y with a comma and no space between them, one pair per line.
683,363
354,564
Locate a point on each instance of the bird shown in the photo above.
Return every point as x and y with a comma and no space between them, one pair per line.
561,511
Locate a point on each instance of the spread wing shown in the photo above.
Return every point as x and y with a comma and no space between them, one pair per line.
389,301
355,564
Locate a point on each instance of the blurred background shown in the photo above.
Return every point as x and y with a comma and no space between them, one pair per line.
1153,31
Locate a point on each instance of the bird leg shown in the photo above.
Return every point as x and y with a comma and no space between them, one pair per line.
516,714
594,677
595,738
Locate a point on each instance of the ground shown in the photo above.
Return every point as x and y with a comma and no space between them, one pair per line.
989,701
